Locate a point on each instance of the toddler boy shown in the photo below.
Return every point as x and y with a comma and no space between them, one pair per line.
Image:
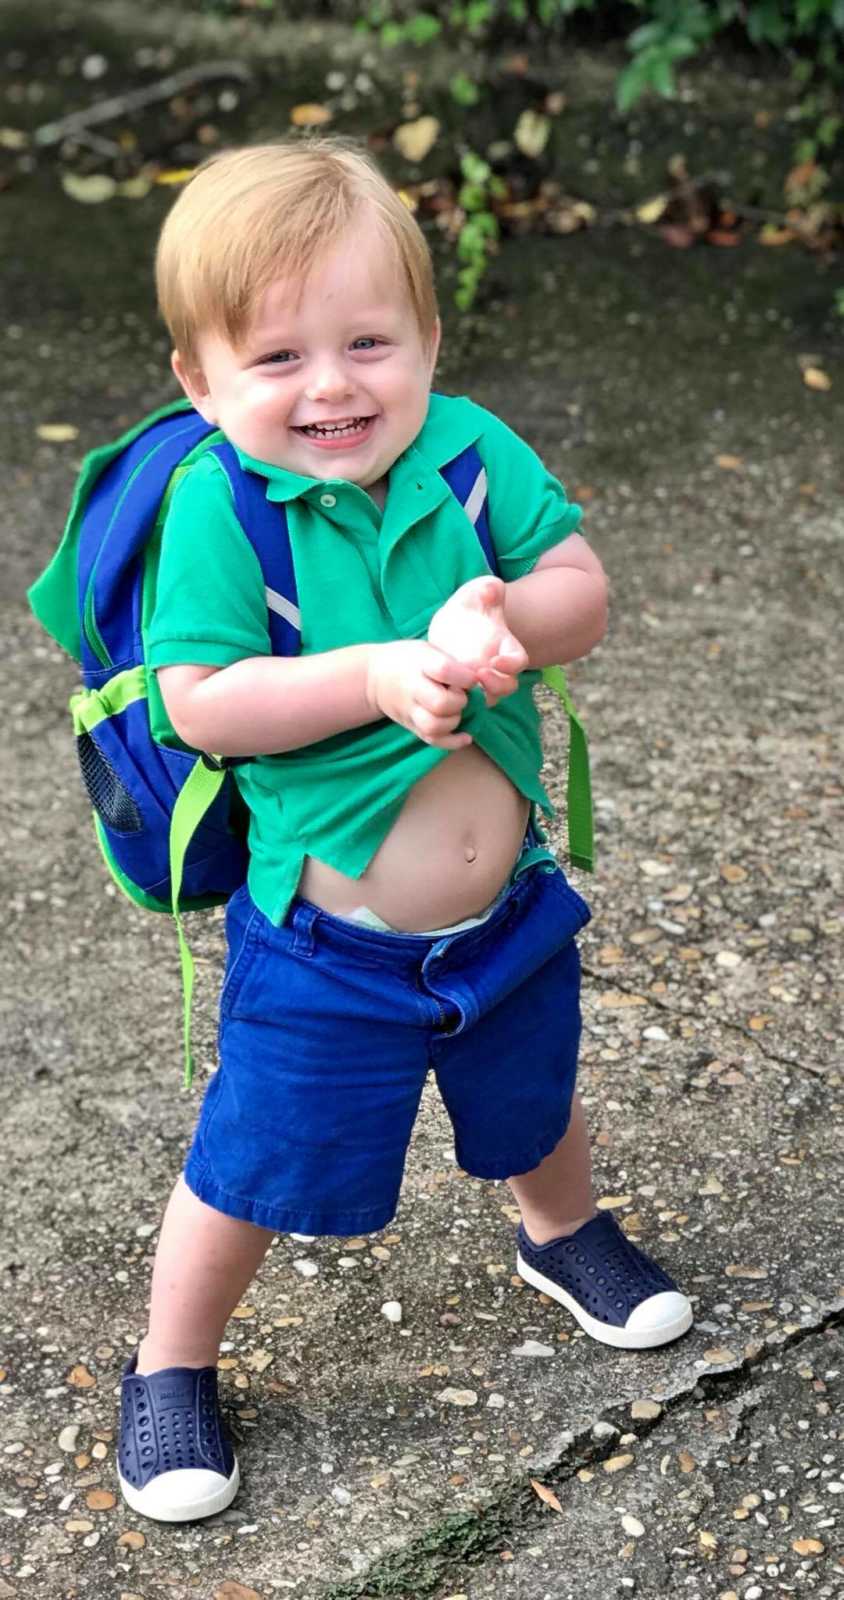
403,910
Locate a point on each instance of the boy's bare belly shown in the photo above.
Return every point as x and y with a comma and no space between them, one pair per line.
445,858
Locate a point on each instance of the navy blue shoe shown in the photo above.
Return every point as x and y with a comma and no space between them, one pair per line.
617,1294
175,1461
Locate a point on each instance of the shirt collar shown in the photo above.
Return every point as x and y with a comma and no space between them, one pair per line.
452,423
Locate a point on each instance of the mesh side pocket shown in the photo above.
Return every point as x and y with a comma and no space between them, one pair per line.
107,794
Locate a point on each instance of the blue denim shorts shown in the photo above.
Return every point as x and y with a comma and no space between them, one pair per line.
328,1029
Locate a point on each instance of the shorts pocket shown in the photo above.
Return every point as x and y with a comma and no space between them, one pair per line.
243,946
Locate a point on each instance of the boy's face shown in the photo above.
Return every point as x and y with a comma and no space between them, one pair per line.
332,378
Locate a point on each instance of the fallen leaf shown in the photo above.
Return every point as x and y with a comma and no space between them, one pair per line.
414,140
174,175
79,1525
530,134
310,115
608,1202
57,432
808,1547
91,190
686,1461
618,1463
712,1185
729,872
100,1500
679,238
731,464
736,1271
132,1540
651,210
772,235
81,1378
546,1495
619,1000
758,1022
718,1356
243,1313
135,188
230,1590
707,1540
816,378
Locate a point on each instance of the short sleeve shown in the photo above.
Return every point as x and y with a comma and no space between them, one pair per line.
210,605
529,511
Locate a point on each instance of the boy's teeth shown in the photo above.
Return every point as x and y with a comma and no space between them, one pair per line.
336,427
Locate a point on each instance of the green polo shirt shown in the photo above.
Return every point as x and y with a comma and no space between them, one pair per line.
363,576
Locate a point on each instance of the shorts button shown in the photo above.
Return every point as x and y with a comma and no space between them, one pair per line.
328,499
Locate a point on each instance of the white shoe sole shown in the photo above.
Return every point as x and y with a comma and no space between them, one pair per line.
201,1494
673,1312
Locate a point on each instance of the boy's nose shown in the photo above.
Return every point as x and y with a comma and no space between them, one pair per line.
329,382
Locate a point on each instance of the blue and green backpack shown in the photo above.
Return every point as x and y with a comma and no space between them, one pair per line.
168,819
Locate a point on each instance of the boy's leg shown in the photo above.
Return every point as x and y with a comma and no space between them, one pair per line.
204,1262
556,1197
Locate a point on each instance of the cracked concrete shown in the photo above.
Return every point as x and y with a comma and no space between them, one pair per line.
712,1068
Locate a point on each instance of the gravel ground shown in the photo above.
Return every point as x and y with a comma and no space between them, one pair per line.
395,1457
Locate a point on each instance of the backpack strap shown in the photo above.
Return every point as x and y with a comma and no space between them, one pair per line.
466,477
265,524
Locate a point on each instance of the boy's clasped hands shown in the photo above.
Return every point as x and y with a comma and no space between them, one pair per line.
424,685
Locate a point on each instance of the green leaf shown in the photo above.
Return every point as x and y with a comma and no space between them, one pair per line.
422,28
463,90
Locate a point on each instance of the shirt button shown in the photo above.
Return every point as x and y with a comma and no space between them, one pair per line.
328,499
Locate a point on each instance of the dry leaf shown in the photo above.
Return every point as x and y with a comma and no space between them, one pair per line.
808,1547
816,378
546,1495
81,1378
772,235
757,1023
686,1461
707,1540
736,1271
132,1540
310,115
91,190
174,175
230,1590
608,1202
530,134
652,210
731,464
57,432
243,1312
619,1000
414,140
259,1360
618,1463
718,1356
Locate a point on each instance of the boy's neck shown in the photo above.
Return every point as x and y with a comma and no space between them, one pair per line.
378,492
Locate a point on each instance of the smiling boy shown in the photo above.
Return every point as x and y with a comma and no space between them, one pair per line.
403,911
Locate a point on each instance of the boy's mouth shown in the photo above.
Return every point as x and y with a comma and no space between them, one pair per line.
345,428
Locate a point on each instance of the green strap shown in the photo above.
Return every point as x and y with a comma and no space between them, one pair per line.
88,707
197,793
579,791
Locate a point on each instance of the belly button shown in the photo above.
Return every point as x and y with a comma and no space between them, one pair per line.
470,852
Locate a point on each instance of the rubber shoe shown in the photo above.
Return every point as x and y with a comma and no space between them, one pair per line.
175,1461
617,1294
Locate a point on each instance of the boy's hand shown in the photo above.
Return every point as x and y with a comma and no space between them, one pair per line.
422,688
472,627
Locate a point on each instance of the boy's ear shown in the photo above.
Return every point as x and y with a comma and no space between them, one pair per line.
193,382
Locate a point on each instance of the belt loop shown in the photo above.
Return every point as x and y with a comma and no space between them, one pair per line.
304,923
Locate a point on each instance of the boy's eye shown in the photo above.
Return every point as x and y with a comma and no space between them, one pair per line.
365,342
278,357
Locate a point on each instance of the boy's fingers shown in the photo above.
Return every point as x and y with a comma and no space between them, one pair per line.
444,669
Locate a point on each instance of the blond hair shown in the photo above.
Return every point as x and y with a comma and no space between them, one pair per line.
250,216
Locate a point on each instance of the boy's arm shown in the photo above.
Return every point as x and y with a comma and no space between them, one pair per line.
559,610
265,705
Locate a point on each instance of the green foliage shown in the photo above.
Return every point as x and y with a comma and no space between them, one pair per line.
479,232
